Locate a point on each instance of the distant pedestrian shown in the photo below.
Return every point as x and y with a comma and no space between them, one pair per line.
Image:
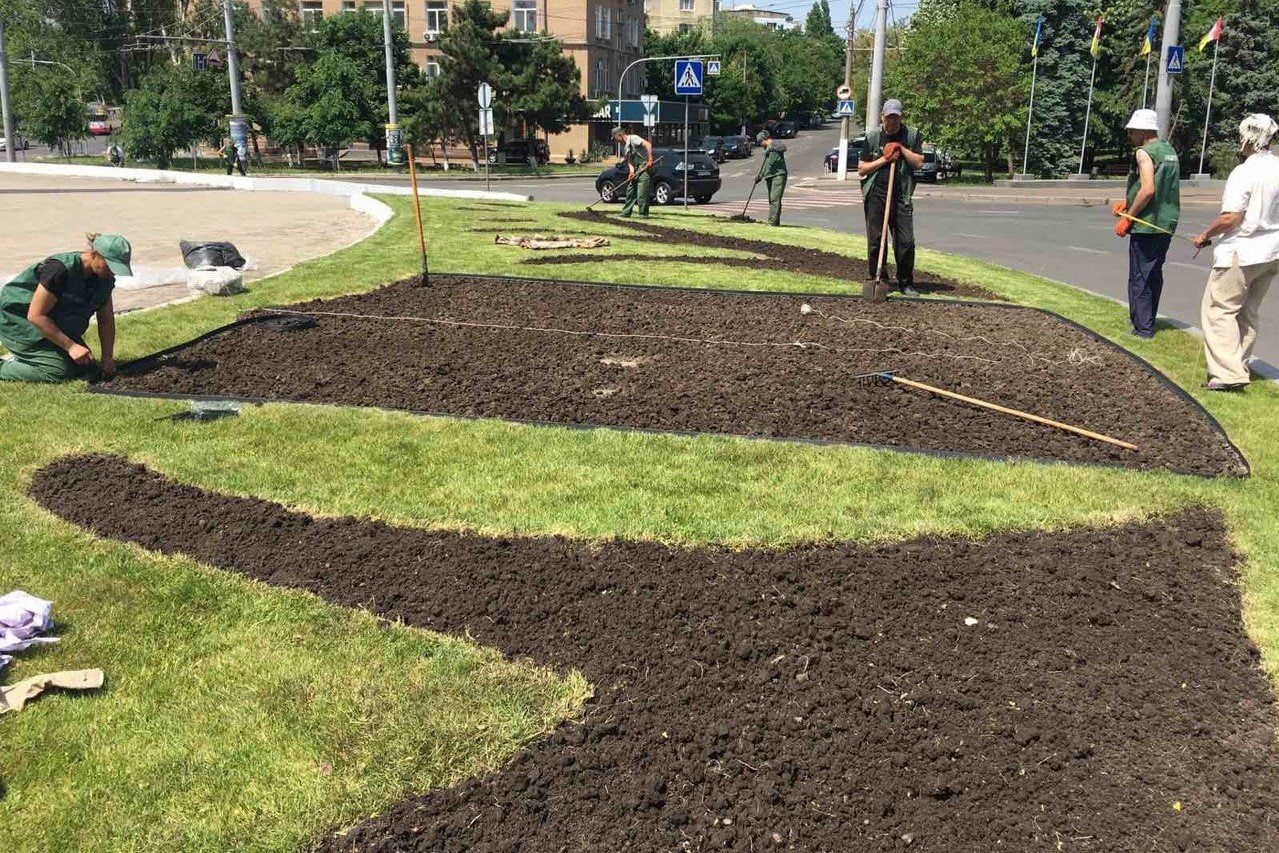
1154,194
773,173
637,152
45,312
115,156
1246,261
892,142
231,156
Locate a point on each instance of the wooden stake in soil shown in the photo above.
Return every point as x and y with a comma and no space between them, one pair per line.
878,293
417,212
1016,413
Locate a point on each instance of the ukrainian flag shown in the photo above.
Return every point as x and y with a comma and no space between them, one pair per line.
1095,48
1149,44
1214,34
1039,29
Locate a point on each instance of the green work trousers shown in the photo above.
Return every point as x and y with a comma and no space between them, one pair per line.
776,189
638,191
39,363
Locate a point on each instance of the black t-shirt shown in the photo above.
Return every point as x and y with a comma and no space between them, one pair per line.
903,136
52,275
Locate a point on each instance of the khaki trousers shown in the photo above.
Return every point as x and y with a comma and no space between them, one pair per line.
1228,314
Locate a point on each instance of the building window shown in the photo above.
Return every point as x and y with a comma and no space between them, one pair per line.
348,5
432,69
685,28
376,7
524,15
312,13
603,21
437,16
601,75
632,32
686,5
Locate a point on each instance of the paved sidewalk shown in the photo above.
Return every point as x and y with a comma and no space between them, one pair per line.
43,215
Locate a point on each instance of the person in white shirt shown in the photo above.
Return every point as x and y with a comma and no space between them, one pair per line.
1246,260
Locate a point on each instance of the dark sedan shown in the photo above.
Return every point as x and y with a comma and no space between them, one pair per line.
711,146
668,177
854,151
784,130
737,147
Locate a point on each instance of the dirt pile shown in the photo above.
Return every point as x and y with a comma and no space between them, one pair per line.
709,362
1083,691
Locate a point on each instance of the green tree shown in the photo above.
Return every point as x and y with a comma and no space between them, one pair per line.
173,109
818,23
51,109
981,110
544,86
326,105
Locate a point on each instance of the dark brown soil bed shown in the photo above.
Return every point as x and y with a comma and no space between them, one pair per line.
709,362
1090,690
784,257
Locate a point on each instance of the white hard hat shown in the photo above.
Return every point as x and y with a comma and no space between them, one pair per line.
1257,130
1143,120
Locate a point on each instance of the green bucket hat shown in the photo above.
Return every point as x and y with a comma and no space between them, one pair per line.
117,252
761,136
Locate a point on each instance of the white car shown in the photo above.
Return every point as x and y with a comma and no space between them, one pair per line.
21,145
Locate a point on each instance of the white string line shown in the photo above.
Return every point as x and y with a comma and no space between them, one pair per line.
583,333
1075,357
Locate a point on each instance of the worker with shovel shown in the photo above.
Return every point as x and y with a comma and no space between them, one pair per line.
1154,198
773,173
231,158
886,192
45,311
638,153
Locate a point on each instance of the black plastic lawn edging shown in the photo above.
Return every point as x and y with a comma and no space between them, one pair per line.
96,386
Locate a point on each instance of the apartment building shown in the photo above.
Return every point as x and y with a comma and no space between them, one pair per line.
770,18
602,36
668,16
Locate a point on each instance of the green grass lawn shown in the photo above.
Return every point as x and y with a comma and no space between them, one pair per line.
240,716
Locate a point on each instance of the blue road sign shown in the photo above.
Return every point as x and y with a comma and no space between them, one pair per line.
1176,58
200,61
712,67
688,77
847,108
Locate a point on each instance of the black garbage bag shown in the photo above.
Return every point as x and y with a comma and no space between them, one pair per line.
197,255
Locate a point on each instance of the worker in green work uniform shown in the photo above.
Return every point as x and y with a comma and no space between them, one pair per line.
231,158
45,311
638,154
1154,194
773,173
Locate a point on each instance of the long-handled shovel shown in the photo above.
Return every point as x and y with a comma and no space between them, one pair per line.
875,290
742,217
638,172
1141,221
417,212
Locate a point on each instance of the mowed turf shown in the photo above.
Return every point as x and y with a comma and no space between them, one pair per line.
238,716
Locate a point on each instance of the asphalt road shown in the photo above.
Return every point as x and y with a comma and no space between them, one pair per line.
1068,242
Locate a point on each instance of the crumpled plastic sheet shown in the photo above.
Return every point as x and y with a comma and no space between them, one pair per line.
23,618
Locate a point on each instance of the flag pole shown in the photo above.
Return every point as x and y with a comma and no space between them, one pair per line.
1087,115
1203,146
1030,112
1145,87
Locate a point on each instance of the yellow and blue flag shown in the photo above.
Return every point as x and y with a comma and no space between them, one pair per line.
1214,34
1039,29
1095,47
1149,44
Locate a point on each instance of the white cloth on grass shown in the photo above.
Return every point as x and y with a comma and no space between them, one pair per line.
23,618
1253,190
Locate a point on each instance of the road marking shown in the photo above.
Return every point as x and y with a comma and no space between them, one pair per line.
1194,267
1000,212
1089,251
971,236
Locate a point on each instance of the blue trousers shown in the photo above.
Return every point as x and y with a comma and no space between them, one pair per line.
1146,253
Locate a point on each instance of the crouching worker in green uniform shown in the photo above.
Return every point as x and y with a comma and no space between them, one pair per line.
45,311
773,173
638,154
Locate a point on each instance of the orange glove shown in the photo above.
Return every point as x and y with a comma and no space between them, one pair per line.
892,151
1119,208
1122,227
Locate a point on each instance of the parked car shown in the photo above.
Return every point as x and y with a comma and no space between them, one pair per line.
815,121
737,147
927,173
21,143
533,152
99,127
668,177
711,146
854,150
784,130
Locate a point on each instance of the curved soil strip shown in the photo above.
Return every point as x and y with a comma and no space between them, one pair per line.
681,360
787,258
1088,691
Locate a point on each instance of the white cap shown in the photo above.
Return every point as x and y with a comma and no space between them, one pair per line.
1143,120
1257,130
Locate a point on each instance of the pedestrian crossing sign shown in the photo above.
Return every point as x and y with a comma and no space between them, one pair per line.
712,67
846,108
1176,58
688,77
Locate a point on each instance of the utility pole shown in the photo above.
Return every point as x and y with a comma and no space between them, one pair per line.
875,95
1163,92
239,128
10,140
394,155
845,124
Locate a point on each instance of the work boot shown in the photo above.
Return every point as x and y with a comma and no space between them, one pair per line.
909,290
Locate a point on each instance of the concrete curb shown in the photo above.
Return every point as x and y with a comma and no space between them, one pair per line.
306,185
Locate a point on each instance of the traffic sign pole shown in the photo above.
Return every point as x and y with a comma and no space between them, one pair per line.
685,152
844,93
